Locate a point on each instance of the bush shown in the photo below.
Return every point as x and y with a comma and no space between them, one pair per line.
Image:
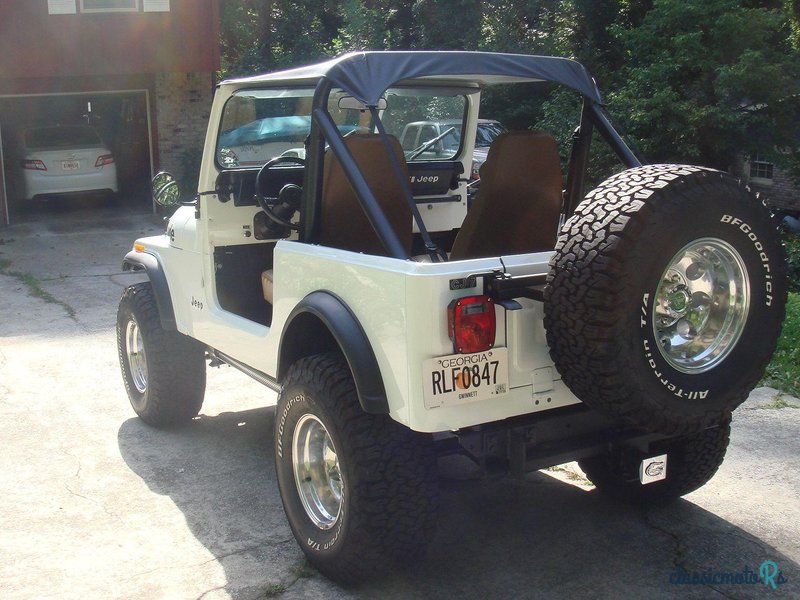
783,372
792,245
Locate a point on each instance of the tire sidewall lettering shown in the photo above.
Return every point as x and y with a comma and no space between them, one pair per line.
293,399
752,236
300,402
755,253
680,385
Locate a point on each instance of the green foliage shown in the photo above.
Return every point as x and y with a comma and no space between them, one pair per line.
263,35
783,372
376,25
778,403
34,287
699,81
705,80
273,590
532,26
560,116
452,25
792,246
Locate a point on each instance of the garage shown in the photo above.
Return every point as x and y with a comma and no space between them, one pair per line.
121,119
140,72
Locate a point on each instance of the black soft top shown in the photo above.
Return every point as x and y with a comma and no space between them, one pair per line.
367,75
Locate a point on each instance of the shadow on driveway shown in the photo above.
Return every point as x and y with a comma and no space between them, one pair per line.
497,538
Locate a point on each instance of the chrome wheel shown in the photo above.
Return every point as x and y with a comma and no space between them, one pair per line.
701,305
134,347
316,471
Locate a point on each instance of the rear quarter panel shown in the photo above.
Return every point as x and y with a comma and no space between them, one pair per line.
402,307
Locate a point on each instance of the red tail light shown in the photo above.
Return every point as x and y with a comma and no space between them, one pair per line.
105,159
33,165
471,323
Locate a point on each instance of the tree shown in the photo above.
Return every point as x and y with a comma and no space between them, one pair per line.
705,80
453,25
377,25
244,36
263,35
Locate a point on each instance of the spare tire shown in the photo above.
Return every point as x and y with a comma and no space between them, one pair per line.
665,297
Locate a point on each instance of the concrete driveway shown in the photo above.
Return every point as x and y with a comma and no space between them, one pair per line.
96,505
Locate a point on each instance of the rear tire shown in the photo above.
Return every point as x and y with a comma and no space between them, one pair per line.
359,490
164,371
692,461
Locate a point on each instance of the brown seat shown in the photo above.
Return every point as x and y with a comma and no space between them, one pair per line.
519,200
343,222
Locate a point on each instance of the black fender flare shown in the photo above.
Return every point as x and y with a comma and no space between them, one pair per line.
142,261
322,321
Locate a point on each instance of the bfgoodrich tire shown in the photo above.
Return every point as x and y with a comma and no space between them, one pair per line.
164,371
692,461
359,490
665,297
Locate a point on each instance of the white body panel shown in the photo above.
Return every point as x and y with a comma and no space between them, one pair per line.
400,304
402,307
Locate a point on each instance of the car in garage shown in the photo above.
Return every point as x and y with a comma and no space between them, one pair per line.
65,159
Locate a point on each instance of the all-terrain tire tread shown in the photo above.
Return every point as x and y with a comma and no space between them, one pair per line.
394,490
692,461
586,284
176,373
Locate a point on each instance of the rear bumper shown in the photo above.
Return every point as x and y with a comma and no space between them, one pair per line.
37,183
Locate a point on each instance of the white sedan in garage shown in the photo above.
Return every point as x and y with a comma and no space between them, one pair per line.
66,159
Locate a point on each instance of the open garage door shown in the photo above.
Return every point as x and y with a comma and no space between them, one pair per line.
122,120
3,195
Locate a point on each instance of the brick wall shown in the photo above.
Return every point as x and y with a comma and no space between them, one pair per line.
183,104
783,192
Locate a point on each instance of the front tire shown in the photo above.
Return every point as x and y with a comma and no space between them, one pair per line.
164,371
359,490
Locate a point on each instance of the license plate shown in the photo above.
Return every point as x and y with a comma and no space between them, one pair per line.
462,378
70,165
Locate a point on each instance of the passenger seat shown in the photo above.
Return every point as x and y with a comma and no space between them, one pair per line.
517,207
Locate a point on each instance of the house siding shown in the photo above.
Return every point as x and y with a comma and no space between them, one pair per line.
34,43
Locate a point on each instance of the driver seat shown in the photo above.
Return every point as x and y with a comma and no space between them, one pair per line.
519,200
343,223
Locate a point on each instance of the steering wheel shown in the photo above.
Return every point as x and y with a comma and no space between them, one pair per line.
282,207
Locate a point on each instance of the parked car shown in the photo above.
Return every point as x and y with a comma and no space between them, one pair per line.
441,139
487,131
254,143
65,159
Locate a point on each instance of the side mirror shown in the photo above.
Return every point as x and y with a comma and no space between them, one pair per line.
165,189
